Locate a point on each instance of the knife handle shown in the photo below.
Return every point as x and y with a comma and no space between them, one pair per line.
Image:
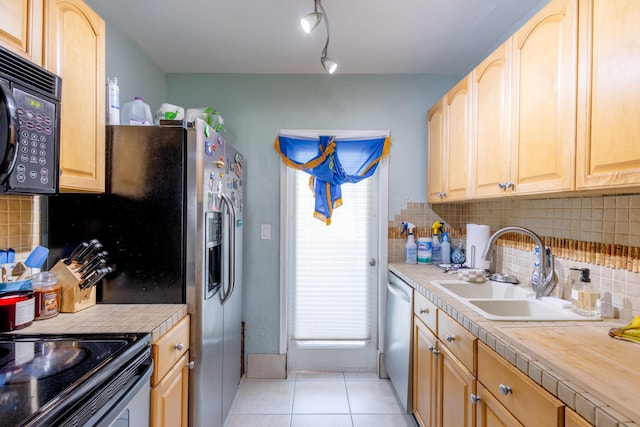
79,249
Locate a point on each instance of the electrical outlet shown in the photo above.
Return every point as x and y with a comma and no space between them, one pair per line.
265,231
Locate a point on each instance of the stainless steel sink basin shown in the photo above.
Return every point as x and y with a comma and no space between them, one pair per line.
503,301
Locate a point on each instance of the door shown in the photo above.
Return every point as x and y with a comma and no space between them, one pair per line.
332,277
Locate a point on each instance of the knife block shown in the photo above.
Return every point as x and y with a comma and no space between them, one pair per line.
73,298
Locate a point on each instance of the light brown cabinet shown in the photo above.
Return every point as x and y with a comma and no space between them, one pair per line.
491,129
545,55
170,378
425,400
76,52
490,412
442,383
524,108
435,152
449,157
529,403
22,28
572,419
608,152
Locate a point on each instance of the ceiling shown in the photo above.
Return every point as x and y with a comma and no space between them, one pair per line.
367,36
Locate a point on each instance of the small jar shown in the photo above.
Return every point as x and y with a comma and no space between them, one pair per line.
47,295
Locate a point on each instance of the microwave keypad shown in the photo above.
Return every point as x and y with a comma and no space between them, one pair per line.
35,161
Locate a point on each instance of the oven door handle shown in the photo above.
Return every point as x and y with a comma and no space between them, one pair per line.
9,125
231,264
141,385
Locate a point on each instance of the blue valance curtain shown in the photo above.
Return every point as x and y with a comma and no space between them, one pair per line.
332,160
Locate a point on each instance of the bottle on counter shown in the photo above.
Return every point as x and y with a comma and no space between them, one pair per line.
536,274
457,256
436,249
585,297
445,248
410,249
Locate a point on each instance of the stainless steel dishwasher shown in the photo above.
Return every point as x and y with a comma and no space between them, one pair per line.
397,337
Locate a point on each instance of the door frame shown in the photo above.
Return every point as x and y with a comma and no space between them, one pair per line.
381,261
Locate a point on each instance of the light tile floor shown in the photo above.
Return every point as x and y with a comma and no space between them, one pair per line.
318,399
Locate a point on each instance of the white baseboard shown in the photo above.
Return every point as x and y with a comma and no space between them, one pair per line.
267,366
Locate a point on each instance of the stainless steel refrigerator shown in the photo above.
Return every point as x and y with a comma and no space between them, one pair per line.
171,222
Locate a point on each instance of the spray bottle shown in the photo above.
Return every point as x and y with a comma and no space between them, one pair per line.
436,249
410,249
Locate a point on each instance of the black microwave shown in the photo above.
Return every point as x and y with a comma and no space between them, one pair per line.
29,126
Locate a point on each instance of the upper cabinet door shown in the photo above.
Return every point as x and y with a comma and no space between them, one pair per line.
544,100
491,124
608,154
435,142
457,134
22,28
76,53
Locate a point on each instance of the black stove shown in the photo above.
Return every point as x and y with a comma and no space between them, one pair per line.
48,380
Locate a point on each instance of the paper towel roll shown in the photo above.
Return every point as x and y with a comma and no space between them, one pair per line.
477,239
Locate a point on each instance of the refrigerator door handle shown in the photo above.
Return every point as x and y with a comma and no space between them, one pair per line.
231,211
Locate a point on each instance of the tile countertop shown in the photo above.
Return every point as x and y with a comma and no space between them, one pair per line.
593,374
155,319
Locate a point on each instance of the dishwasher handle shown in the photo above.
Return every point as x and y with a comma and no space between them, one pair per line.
397,291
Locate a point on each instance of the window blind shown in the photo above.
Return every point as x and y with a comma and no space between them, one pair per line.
331,289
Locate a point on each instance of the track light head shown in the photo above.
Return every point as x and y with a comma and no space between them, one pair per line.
310,21
329,64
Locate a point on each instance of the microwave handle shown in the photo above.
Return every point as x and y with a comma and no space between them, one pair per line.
8,132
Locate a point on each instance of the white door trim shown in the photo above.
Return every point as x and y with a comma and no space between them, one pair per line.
382,214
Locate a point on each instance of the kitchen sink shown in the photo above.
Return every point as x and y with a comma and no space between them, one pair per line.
492,290
507,302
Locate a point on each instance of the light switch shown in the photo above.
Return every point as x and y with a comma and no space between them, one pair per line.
265,231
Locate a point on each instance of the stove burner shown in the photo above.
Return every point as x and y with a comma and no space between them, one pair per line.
37,360
43,377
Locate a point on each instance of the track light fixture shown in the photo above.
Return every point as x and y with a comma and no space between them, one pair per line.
310,22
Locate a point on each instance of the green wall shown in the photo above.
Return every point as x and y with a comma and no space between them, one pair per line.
137,74
256,106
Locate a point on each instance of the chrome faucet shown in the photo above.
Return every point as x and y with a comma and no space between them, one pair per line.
548,279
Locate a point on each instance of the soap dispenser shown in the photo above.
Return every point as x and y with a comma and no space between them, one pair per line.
585,298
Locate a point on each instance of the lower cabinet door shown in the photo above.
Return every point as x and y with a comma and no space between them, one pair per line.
424,374
456,386
491,413
169,399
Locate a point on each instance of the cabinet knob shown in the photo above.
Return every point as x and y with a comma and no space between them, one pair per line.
424,311
510,185
502,186
444,194
191,364
435,352
450,338
179,346
474,398
505,389
431,348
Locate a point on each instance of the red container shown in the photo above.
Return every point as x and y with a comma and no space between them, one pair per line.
17,310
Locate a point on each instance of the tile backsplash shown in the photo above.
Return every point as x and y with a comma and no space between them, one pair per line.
20,223
597,232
